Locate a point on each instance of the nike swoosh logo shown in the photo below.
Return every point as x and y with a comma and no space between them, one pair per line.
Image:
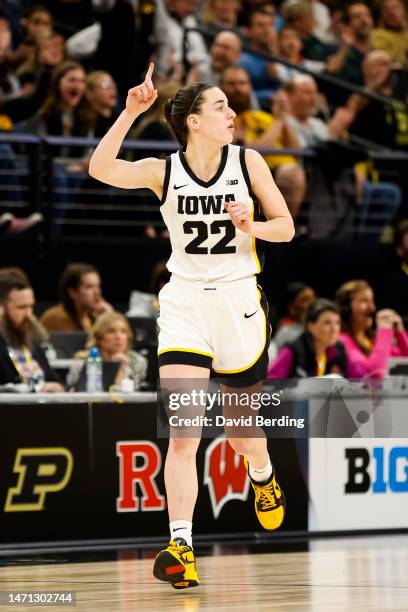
180,186
251,315
178,528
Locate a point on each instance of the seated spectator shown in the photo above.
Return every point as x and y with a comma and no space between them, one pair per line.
317,351
395,289
310,130
102,96
22,359
298,15
369,341
289,49
220,13
347,63
29,72
38,22
23,107
263,38
9,84
225,51
298,298
321,19
112,335
392,34
81,300
390,120
262,129
63,112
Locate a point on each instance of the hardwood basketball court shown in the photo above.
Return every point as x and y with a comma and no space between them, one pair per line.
343,574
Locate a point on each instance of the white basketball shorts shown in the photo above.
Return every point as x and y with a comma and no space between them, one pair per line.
220,326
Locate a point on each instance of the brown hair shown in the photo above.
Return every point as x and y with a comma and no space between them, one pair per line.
71,279
53,98
344,298
187,101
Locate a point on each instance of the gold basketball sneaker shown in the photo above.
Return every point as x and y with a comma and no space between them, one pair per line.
269,502
176,564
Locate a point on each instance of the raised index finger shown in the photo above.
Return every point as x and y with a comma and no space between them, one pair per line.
149,72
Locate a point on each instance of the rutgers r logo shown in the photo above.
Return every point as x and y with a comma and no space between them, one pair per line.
40,471
132,478
225,474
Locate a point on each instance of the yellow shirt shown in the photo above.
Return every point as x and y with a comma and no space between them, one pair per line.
394,43
257,123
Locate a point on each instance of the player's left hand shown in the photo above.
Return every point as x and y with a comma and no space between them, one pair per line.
240,216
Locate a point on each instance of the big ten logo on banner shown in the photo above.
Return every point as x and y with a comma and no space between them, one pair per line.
358,483
224,474
139,463
377,469
41,471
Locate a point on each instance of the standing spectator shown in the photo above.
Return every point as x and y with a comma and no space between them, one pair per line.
298,298
392,35
261,129
81,300
112,335
22,359
225,51
317,351
263,37
369,347
70,15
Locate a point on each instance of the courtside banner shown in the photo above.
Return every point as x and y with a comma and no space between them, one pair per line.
95,471
358,483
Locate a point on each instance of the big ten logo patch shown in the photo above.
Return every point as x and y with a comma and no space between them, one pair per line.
224,474
41,471
139,464
378,470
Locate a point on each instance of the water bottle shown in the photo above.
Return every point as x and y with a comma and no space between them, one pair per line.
94,382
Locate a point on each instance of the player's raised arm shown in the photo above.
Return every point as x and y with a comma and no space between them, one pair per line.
104,164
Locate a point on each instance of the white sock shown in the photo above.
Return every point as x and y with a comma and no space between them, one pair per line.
261,474
182,529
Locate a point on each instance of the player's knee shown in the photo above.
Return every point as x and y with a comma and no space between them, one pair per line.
183,446
243,446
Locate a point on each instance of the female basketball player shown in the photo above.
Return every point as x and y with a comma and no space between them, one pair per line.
212,313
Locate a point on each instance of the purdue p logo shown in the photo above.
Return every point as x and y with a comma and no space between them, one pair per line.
41,471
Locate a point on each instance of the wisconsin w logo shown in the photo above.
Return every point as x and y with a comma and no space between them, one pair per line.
225,474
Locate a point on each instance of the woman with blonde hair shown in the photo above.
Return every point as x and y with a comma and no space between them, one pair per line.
112,335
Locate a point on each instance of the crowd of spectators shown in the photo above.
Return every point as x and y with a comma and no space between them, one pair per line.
353,335
65,68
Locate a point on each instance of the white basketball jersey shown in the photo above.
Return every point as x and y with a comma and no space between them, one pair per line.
205,244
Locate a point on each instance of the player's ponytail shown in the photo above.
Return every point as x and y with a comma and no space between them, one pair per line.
186,102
